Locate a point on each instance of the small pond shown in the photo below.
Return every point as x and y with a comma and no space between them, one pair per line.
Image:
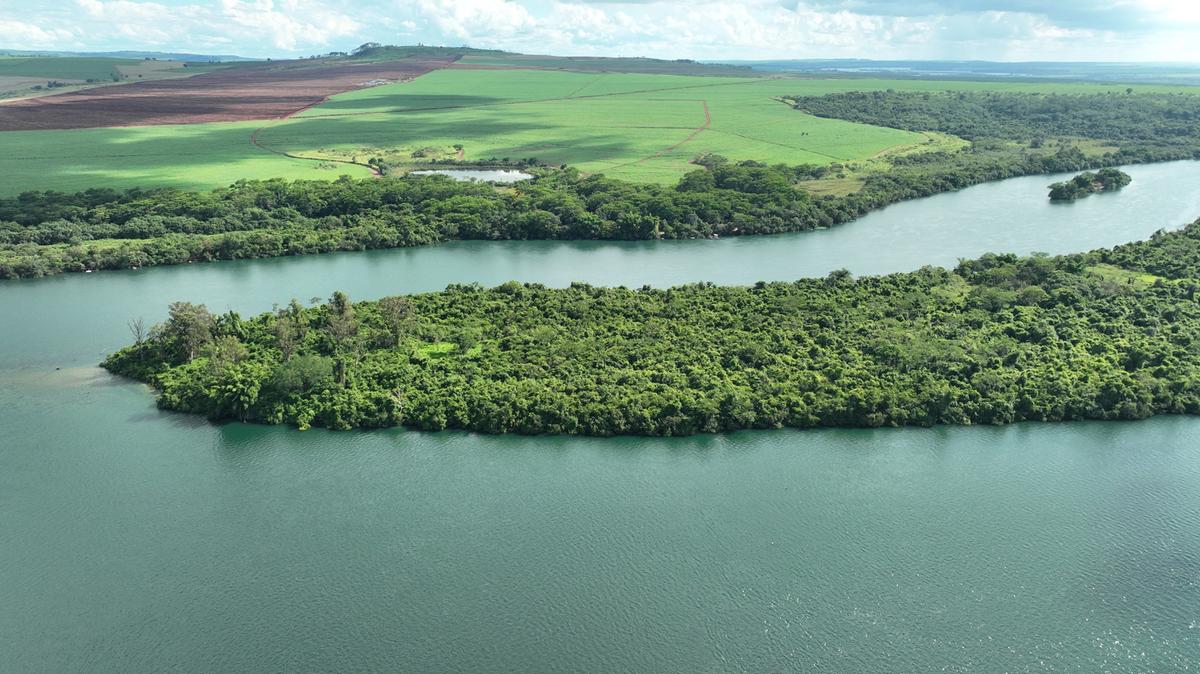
479,175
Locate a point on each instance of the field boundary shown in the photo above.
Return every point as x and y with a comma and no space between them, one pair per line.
691,136
257,142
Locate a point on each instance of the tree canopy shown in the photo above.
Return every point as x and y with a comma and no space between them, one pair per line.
1112,334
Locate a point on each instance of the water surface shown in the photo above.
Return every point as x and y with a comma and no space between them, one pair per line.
134,540
482,175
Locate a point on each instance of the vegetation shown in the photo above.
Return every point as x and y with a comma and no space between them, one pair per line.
639,127
627,126
63,68
1000,339
1105,180
374,51
1152,119
23,76
1017,133
609,64
47,232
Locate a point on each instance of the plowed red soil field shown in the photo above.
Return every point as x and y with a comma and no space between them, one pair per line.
259,91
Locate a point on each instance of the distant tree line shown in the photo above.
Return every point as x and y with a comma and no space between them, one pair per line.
1144,119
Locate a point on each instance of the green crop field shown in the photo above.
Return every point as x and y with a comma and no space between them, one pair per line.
61,68
640,127
192,156
27,76
643,127
602,64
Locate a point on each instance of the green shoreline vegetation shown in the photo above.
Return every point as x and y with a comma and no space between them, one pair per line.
1110,334
1088,183
1011,134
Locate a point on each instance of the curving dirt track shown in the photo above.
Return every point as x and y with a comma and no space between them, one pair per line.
259,91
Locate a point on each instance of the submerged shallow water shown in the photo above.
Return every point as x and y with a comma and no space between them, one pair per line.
132,539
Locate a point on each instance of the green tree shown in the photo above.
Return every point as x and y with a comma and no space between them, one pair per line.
190,327
397,315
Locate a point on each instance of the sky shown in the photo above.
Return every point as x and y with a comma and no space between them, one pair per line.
1005,30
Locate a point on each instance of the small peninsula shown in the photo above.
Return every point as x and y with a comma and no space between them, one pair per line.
1087,183
1110,334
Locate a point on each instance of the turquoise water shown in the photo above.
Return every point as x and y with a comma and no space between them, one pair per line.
135,540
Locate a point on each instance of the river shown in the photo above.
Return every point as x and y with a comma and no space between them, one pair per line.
131,539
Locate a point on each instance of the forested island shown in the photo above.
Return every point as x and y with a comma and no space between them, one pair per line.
1086,183
44,233
1110,334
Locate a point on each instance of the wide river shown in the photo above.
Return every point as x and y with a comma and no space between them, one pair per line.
134,540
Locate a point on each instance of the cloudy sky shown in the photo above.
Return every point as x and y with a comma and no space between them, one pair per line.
1112,30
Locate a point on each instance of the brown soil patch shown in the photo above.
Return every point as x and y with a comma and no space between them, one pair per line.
259,91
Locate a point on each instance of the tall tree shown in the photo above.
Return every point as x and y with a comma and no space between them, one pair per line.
397,314
190,326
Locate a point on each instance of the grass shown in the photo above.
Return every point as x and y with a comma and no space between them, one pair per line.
439,350
1123,277
20,75
643,127
631,126
192,156
604,64
62,68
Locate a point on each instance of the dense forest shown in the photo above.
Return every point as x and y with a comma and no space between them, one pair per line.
1104,180
45,233
1145,120
1111,334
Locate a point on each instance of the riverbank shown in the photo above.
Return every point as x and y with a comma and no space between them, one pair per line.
50,233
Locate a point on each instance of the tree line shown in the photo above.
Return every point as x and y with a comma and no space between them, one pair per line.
1145,119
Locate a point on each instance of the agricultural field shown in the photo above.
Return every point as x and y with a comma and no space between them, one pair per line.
635,126
23,77
52,67
631,126
188,156
605,64
255,91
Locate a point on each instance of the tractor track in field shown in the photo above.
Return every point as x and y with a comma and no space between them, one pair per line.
691,136
256,142
573,96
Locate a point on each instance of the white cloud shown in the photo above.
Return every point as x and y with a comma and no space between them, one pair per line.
256,27
467,18
35,36
703,29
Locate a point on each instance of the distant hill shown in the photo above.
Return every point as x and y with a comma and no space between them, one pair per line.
171,56
498,58
373,51
1132,73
